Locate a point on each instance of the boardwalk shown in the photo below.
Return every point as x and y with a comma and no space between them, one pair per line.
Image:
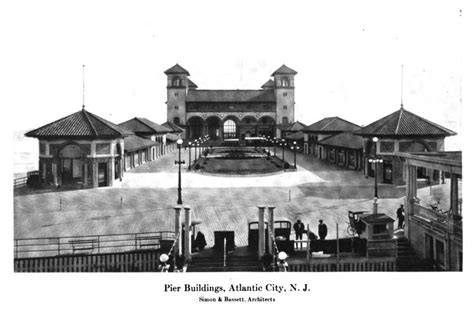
144,201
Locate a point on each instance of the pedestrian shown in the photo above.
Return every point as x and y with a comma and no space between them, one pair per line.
400,216
299,229
322,230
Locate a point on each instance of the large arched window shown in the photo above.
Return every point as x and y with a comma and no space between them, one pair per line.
230,129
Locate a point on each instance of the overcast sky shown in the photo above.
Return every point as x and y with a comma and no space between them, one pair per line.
348,56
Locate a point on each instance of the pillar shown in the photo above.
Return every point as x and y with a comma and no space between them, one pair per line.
54,172
271,229
454,194
187,227
84,181
110,171
95,174
177,222
261,231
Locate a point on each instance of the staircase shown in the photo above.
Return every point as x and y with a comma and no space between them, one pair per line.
407,259
213,261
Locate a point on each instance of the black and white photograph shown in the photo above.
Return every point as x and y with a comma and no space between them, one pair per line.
235,154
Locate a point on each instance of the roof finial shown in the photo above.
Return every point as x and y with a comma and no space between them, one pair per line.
83,87
401,96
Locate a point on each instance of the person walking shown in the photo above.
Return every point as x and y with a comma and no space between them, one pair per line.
400,216
322,230
299,229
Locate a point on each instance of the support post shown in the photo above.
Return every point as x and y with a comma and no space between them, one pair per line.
261,231
187,224
177,221
271,230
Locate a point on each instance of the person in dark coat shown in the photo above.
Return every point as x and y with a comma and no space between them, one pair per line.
322,230
299,229
200,241
400,216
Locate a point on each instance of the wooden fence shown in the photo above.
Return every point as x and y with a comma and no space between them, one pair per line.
139,261
381,264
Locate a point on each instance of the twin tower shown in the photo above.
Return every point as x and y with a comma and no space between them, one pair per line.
230,113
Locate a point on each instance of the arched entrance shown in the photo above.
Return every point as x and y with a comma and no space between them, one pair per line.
248,127
71,162
266,126
194,128
213,127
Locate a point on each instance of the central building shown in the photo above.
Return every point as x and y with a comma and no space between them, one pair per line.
230,114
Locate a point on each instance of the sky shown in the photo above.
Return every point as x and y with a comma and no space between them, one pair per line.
348,56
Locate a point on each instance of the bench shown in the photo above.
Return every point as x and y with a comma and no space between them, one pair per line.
148,241
83,245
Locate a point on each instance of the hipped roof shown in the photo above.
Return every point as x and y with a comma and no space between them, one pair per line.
82,124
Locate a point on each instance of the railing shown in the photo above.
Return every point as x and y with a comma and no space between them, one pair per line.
91,244
430,213
352,265
20,182
164,266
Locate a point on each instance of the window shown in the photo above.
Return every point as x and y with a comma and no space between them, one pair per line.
285,107
285,94
176,107
176,94
230,129
176,120
176,81
285,82
284,120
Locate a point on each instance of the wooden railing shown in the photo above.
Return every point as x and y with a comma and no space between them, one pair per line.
20,182
91,244
135,261
349,264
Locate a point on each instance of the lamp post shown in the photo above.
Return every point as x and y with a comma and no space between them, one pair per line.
195,150
375,160
189,146
179,162
274,146
294,148
283,144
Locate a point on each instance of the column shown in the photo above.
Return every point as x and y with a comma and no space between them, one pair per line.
84,182
177,222
110,171
454,194
95,174
187,224
261,231
54,172
271,229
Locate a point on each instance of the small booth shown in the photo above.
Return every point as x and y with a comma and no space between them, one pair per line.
379,235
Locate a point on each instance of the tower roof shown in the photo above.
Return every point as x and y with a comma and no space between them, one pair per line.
404,123
176,69
332,124
79,124
285,70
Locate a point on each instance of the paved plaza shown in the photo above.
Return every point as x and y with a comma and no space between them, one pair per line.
144,201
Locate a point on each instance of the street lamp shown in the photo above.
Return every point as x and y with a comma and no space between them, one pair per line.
195,150
283,144
375,160
274,146
294,148
189,146
179,162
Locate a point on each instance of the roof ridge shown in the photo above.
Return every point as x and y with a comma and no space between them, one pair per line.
101,120
145,123
399,120
89,121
